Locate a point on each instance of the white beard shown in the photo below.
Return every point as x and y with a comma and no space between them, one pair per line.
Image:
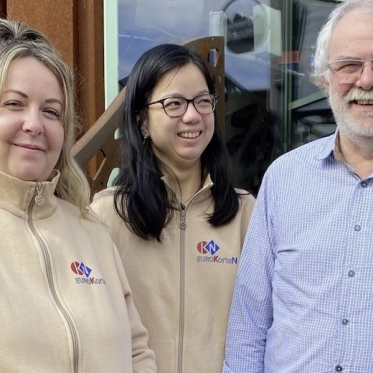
357,127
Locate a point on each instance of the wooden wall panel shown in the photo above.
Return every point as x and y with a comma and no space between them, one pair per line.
56,18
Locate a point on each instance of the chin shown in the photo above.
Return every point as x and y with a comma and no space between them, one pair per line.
27,176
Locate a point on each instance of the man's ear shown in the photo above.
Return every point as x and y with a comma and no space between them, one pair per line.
325,82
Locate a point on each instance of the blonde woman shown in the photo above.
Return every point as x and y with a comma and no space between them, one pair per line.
65,305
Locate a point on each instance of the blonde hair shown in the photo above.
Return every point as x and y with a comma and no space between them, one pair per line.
17,40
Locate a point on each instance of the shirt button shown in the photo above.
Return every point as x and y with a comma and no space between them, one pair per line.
338,368
351,273
357,227
344,321
364,184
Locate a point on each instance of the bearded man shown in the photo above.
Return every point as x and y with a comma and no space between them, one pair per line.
303,300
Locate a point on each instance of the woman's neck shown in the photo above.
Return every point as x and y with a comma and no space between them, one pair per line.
188,183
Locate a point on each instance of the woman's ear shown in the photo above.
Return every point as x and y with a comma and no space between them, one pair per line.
143,123
144,130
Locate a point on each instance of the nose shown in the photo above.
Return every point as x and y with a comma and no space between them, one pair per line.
191,115
366,78
32,123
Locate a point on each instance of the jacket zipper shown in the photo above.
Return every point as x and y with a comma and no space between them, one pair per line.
39,199
182,226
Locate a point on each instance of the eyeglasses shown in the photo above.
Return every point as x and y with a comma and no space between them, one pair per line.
348,70
177,106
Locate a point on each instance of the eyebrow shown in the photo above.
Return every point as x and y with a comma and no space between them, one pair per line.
48,100
347,58
201,92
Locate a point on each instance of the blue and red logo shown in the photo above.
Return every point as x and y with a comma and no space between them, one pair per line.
207,247
81,269
212,248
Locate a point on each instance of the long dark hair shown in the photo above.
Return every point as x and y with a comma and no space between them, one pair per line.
141,198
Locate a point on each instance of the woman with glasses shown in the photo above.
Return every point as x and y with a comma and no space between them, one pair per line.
174,214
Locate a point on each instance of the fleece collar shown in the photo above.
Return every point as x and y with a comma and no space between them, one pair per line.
21,198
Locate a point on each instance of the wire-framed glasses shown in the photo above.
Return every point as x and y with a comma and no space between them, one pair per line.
177,106
349,70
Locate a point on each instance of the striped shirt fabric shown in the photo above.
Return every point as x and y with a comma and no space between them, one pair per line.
303,300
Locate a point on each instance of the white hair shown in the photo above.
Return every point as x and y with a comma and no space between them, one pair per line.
323,41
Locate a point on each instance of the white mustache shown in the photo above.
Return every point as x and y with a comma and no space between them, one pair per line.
355,94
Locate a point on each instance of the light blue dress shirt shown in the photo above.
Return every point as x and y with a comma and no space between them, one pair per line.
303,300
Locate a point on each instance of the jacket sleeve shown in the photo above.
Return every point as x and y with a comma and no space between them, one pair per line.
251,312
143,358
247,202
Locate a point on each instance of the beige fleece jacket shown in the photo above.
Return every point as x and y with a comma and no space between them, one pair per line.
65,303
183,286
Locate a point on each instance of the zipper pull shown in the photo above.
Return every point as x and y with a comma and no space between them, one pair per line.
39,199
182,224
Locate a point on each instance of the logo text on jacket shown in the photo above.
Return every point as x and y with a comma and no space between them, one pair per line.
82,270
208,249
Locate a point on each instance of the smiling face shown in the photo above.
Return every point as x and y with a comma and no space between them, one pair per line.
179,142
31,131
352,104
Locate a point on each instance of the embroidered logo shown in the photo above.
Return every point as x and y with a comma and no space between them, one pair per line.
209,250
207,247
82,270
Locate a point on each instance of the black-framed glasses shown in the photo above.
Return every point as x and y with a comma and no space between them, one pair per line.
177,106
348,70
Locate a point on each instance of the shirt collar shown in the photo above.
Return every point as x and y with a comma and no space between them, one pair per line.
332,148
328,148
